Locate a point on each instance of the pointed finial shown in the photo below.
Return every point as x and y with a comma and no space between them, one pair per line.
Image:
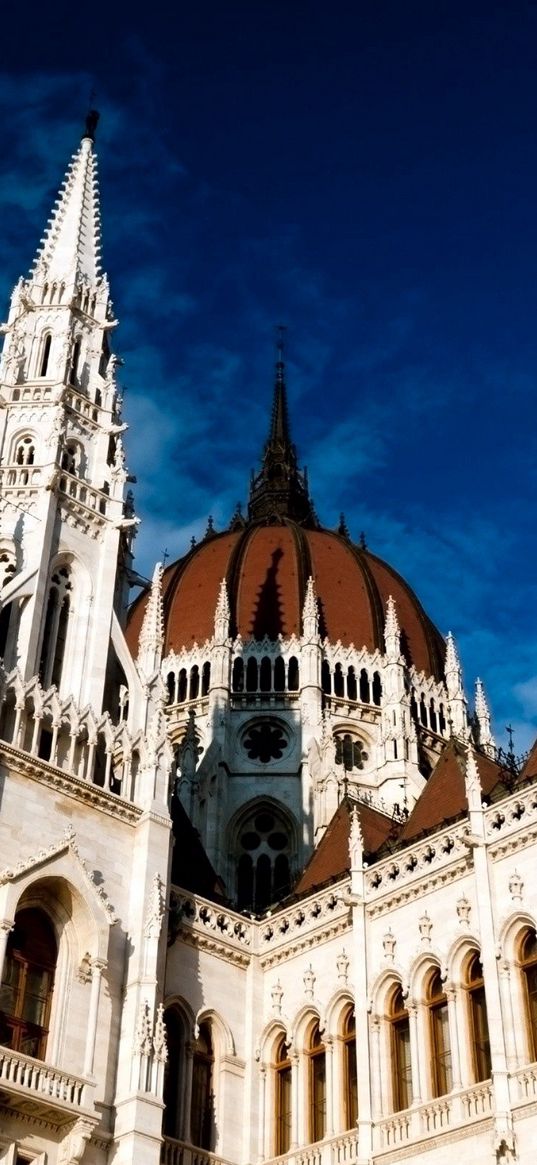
189,750
356,841
343,529
310,611
193,541
210,527
482,717
472,781
392,631
222,613
152,633
452,667
363,543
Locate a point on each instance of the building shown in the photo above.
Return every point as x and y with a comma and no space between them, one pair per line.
266,888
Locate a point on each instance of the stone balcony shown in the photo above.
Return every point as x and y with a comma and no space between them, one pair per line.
40,1090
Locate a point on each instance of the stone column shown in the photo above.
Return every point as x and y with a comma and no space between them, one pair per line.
5,929
187,1103
414,1053
294,1100
506,998
378,1106
451,996
263,1114
97,967
330,1098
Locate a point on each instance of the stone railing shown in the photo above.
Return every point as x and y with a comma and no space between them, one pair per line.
435,1116
189,913
178,1153
81,492
511,815
27,1077
418,861
523,1085
304,920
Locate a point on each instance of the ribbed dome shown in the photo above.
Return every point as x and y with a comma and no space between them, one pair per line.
266,568
267,560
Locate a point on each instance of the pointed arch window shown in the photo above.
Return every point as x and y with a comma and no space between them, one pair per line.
279,674
283,1094
264,859
173,1076
400,1047
27,984
202,1111
75,360
441,1068
237,681
350,1075
316,1086
25,451
56,627
528,962
479,1029
44,361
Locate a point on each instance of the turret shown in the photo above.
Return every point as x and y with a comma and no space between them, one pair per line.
63,528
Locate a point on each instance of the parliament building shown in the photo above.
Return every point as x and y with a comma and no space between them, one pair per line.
266,889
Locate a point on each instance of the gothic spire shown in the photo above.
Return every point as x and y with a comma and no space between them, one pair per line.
280,490
69,251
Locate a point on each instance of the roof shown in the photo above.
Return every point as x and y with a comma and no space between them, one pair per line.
444,796
330,860
266,568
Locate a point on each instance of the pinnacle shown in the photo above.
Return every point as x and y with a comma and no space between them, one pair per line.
70,248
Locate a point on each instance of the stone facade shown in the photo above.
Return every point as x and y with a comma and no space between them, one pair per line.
263,894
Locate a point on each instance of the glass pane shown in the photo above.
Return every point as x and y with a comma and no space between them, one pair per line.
403,1074
441,1066
318,1097
481,1034
351,1082
283,1116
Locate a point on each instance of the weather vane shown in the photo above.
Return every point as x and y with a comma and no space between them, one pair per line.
280,330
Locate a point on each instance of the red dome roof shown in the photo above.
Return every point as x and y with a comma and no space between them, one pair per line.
266,567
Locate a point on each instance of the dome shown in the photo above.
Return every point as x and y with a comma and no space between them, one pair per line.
266,568
266,561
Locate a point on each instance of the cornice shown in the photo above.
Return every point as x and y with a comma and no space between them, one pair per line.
72,786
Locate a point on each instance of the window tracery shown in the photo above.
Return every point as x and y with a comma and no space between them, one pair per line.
27,983
56,627
264,854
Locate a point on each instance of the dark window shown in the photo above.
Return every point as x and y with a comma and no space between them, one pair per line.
279,674
326,678
400,1040
205,679
294,677
339,687
317,1087
173,1076
283,1099
441,1071
202,1113
45,355
265,675
365,691
238,675
27,983
352,689
377,689
479,1030
350,1071
181,690
265,741
529,970
251,675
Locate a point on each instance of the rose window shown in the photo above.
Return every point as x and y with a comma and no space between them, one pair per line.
265,741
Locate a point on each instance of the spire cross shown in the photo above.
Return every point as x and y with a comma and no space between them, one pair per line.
510,730
165,556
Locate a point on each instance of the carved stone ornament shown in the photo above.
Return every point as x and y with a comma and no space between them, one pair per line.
356,841
159,1040
309,982
155,909
143,1042
342,964
389,943
74,1146
84,970
276,995
516,886
425,928
463,911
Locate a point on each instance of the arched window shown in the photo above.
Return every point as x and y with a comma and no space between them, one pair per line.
72,457
339,687
27,984
45,354
173,1076
326,678
528,962
479,1030
194,686
202,1111
205,679
437,1004
264,855
400,1049
350,752
377,689
25,451
170,684
350,1077
282,1090
279,674
55,629
316,1086
293,682
251,675
265,674
352,688
237,681
181,687
432,716
75,359
423,711
365,691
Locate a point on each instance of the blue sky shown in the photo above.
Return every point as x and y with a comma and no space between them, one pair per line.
365,173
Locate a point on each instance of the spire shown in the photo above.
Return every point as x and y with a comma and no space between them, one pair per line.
392,633
152,632
280,490
482,716
221,615
310,612
452,668
70,248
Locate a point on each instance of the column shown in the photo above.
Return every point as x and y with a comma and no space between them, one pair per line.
97,967
5,929
451,996
506,1000
378,1107
329,1045
294,1100
414,1053
187,1096
263,1114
